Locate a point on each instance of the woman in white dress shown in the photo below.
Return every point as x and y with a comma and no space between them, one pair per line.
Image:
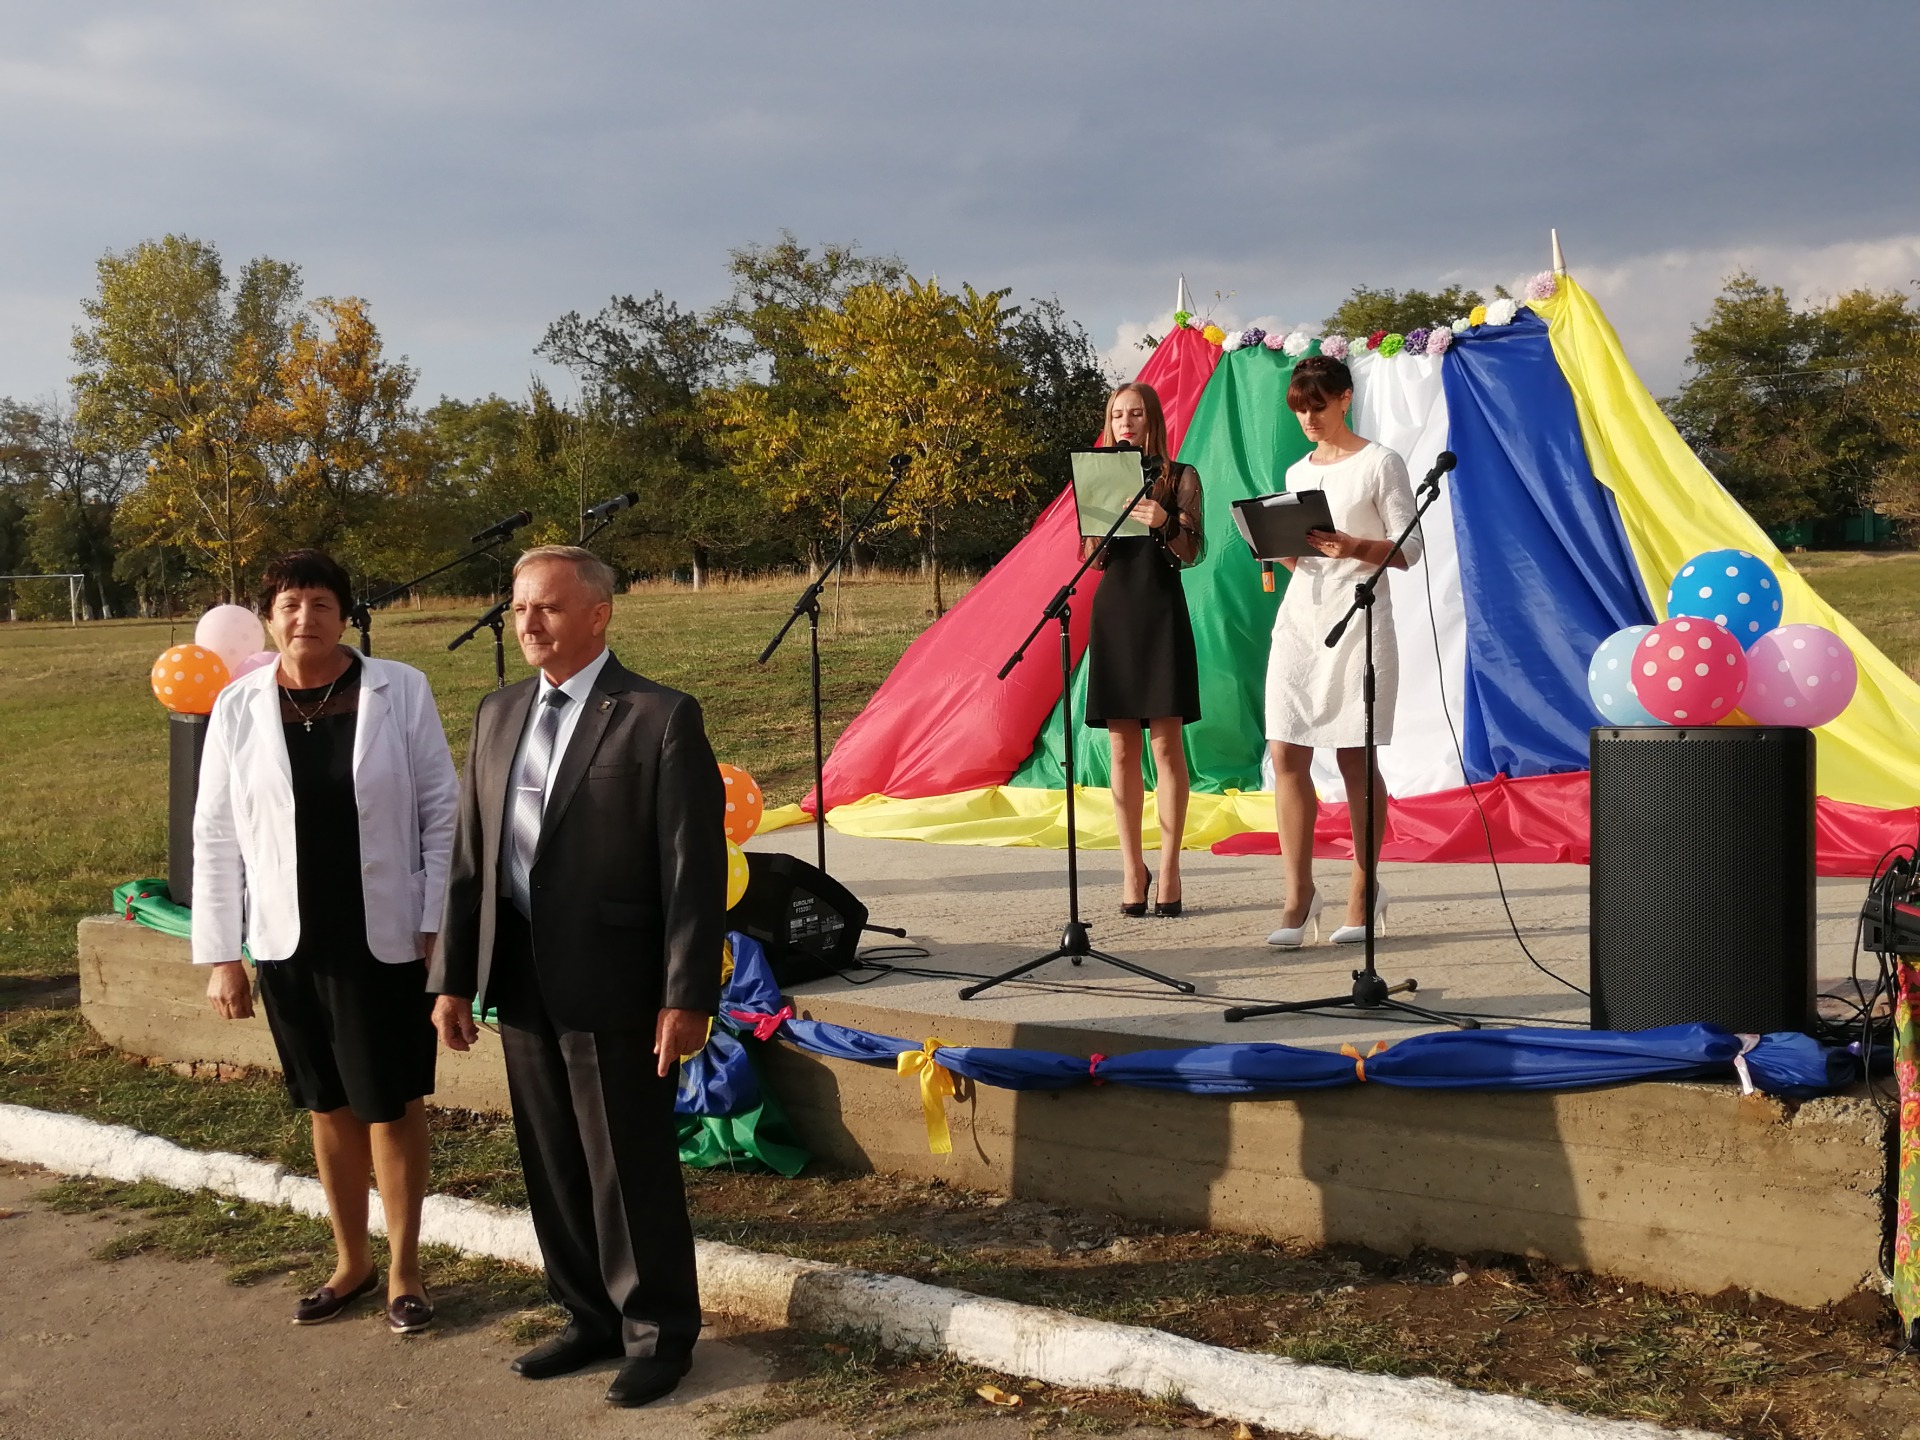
1313,692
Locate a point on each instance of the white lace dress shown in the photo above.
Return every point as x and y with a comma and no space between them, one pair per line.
1314,693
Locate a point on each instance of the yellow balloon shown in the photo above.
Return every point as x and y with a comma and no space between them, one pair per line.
737,874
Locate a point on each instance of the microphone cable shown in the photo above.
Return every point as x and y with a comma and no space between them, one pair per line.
1459,751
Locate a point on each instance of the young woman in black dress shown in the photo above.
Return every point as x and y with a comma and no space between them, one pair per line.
1142,670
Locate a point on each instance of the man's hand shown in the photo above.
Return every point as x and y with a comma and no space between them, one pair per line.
677,1033
230,991
453,1018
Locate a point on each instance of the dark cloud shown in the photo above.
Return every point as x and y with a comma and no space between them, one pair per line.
477,168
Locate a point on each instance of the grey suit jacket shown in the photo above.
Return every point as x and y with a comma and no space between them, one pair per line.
629,880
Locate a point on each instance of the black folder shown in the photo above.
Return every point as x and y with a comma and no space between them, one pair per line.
1275,526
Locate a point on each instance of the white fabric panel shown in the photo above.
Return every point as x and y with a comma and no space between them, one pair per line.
1401,403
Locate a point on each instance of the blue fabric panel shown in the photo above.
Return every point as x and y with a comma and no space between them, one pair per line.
1539,1059
1255,1069
1545,569
1798,1067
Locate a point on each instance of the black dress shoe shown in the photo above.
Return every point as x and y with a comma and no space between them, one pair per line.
326,1302
571,1350
645,1380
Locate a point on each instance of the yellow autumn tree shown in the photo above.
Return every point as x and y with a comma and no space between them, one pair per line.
925,373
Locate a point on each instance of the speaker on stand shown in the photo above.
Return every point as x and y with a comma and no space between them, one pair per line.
186,738
1702,877
808,923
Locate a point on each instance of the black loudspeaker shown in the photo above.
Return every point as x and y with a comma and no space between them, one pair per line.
1702,877
808,922
186,738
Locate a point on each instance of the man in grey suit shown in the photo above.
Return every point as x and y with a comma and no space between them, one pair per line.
586,902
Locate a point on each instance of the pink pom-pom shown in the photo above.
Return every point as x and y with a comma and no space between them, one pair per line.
1542,286
1439,340
1275,340
1334,347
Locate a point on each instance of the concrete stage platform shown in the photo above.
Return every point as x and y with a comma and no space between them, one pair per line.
1683,1185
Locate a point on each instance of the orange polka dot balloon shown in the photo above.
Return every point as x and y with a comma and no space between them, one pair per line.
187,678
745,805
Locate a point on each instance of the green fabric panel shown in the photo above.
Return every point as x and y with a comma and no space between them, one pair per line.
1241,441
151,903
758,1138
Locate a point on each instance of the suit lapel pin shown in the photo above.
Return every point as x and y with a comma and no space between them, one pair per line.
606,704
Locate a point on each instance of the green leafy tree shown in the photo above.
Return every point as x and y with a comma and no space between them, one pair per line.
1367,310
174,360
67,492
1800,411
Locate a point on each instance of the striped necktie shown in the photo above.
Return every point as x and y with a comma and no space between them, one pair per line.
529,801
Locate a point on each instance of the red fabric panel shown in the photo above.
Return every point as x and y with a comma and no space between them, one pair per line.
943,720
1544,820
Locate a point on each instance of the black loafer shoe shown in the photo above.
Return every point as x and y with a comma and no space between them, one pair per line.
409,1314
643,1381
326,1302
567,1352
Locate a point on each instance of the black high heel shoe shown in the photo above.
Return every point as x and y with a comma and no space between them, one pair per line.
1136,908
1166,909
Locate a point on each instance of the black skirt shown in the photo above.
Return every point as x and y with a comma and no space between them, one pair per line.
1141,662
352,1032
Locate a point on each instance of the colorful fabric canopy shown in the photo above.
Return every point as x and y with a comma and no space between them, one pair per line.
1573,504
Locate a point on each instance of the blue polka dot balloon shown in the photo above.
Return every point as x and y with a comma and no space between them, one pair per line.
1607,680
1732,588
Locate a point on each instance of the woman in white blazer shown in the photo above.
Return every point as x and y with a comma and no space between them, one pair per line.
320,840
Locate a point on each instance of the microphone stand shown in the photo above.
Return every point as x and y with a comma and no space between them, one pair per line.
495,620
362,612
1074,944
809,605
1370,992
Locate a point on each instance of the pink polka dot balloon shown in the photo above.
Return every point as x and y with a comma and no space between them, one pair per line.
1799,675
1689,671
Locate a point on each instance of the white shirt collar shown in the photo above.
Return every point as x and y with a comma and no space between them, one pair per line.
579,684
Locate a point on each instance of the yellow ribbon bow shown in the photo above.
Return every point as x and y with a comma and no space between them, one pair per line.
1359,1060
936,1087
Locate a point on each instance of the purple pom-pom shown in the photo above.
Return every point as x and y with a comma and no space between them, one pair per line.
1417,341
1252,335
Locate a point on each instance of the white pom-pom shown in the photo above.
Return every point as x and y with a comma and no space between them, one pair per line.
1502,311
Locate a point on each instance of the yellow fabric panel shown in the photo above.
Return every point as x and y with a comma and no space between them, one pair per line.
781,816
1006,815
1673,509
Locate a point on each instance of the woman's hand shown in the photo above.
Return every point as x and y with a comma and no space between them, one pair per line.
1335,544
1150,513
230,992
453,1018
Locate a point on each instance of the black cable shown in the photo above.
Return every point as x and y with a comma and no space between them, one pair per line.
1459,750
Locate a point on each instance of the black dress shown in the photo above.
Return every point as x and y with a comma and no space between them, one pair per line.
351,1029
1141,662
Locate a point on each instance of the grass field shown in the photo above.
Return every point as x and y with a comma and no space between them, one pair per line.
83,743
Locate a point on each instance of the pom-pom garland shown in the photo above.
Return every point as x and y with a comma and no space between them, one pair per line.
1298,343
1334,347
1502,311
1392,344
1252,335
1438,341
1232,340
1417,341
1277,341
1373,340
1213,334
1542,286
1477,315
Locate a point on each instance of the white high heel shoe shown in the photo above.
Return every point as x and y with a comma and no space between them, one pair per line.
1357,934
1291,937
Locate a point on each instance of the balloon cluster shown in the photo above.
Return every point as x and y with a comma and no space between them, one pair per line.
745,805
227,643
1722,651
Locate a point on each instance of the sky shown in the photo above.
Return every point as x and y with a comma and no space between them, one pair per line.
476,169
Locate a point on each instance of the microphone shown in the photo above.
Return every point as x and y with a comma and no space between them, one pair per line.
504,528
898,463
1266,576
1445,462
610,507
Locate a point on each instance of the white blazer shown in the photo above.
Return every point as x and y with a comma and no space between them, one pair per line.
243,843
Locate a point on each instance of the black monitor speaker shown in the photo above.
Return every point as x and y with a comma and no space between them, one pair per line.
186,738
808,922
1702,878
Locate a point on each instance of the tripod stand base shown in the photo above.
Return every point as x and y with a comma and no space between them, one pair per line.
1075,946
1370,992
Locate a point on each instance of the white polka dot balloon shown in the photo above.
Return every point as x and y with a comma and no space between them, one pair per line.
1732,588
1799,675
1608,682
1689,671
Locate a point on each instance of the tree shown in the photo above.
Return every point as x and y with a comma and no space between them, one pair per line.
925,373
1802,413
171,365
338,435
67,492
1367,310
1062,391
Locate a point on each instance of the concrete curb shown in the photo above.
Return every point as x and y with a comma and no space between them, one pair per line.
1023,1340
